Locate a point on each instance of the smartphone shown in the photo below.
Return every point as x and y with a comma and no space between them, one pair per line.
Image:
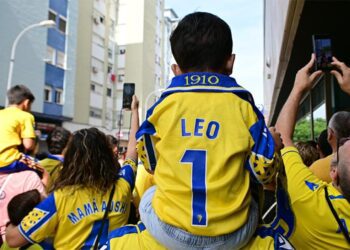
322,47
128,92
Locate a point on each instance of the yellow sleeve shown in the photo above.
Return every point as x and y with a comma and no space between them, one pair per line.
300,179
144,180
27,127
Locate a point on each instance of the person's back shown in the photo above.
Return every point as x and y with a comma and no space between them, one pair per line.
199,135
56,141
16,128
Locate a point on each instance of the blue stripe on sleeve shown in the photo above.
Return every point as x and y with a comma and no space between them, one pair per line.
128,229
48,207
127,173
150,152
264,144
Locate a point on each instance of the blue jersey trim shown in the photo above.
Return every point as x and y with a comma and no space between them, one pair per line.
335,197
312,186
127,173
48,205
128,229
55,157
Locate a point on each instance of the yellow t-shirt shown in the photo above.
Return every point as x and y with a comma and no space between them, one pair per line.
144,181
202,140
316,227
322,168
15,125
53,165
73,217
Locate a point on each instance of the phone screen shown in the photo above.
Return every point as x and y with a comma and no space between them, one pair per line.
128,92
323,49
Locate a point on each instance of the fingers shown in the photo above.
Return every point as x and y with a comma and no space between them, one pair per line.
310,64
337,75
315,75
338,64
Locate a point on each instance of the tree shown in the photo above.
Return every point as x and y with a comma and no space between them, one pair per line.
302,130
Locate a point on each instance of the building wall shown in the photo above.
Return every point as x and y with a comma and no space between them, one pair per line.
71,54
274,24
83,63
29,67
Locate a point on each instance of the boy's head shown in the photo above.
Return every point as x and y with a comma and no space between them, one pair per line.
57,140
22,204
202,42
21,96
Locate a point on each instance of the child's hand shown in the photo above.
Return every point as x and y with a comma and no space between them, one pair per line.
135,103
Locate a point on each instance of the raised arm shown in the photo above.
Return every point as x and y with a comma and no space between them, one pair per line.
343,77
132,151
287,117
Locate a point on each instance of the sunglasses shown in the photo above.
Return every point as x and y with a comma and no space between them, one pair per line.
341,142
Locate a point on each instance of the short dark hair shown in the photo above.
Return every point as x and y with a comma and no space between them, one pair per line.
201,41
21,204
323,143
19,93
57,140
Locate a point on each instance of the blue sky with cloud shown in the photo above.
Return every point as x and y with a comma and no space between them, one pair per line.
246,21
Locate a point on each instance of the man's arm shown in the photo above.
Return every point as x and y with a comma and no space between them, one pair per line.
28,143
343,78
287,117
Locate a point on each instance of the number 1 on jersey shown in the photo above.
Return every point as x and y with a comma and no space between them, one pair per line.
198,160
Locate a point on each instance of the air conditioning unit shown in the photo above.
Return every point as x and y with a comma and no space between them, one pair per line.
96,19
94,69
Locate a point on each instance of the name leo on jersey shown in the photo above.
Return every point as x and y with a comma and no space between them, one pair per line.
92,208
201,127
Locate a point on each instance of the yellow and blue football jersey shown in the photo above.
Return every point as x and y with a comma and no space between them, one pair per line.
315,225
73,216
203,139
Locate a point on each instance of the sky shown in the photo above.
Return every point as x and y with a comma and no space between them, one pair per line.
245,19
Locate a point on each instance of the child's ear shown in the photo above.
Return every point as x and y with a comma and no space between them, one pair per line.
176,69
334,174
229,64
26,105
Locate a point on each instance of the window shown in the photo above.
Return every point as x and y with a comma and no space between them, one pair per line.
96,113
92,87
61,59
109,69
47,94
50,55
58,96
110,53
121,78
109,92
102,19
62,24
52,16
122,51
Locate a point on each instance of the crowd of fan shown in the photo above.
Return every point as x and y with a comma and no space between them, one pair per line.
78,196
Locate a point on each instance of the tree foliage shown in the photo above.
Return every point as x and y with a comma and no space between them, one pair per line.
302,130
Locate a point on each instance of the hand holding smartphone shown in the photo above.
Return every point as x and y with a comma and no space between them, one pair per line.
322,47
128,92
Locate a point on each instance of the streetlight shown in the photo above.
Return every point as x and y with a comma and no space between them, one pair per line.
45,23
149,96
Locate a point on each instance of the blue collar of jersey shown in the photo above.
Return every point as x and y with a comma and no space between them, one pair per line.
203,81
55,157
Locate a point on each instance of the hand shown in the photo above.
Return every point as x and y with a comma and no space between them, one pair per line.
134,103
304,80
277,139
343,77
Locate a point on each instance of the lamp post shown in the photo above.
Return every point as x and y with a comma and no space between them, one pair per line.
149,96
45,23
